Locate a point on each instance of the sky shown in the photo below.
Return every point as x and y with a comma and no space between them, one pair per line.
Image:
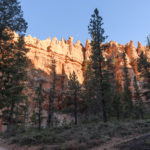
124,20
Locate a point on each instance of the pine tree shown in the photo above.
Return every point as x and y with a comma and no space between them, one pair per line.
97,34
25,109
33,118
74,89
127,97
143,68
39,100
13,60
116,90
116,102
148,41
11,16
112,94
117,106
88,92
139,106
52,95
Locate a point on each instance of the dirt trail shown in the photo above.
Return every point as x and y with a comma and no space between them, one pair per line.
2,147
110,145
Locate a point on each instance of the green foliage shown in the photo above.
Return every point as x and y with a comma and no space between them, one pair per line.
39,100
139,105
11,16
74,91
144,69
100,86
33,118
127,97
73,83
89,92
148,41
117,106
85,136
52,95
13,60
97,34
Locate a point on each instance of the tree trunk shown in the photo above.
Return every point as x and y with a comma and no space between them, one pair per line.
102,93
11,112
52,112
75,107
49,113
104,110
39,116
50,120
118,114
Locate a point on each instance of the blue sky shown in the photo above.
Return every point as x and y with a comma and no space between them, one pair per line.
124,20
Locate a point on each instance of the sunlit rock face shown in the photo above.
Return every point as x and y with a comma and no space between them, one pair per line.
71,57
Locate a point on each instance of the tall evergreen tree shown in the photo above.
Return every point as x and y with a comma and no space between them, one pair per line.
39,100
116,94
97,34
74,89
52,95
144,69
148,41
127,97
88,92
13,60
112,95
116,105
139,106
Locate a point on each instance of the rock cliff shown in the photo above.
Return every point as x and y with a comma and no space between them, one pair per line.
71,57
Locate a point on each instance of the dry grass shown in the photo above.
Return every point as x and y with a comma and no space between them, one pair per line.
81,137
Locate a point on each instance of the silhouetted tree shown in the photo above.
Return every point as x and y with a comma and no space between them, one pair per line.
127,97
116,104
139,106
116,90
52,95
13,59
148,41
39,100
74,89
33,118
25,109
143,68
88,92
97,34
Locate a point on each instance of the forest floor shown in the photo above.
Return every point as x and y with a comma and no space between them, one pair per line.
138,142
129,135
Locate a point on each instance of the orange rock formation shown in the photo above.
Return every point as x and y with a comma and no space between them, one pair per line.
71,57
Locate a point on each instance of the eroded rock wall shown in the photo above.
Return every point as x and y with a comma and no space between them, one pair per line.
71,57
